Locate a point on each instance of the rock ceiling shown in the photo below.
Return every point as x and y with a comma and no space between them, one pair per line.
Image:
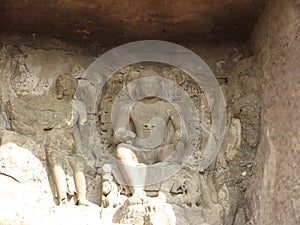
117,21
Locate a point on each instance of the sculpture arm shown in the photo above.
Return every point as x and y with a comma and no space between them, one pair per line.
122,133
79,113
179,126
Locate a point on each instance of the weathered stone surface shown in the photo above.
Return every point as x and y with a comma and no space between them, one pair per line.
236,158
118,21
24,184
274,195
37,85
153,211
36,103
36,93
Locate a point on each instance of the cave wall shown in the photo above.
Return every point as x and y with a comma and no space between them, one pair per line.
30,83
37,86
274,196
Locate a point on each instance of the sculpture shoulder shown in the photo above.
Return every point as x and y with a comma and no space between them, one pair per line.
171,108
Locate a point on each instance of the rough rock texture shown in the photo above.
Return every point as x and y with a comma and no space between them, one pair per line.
152,211
24,183
36,87
235,161
36,91
274,196
26,196
109,21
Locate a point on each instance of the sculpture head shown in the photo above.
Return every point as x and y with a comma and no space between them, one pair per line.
150,85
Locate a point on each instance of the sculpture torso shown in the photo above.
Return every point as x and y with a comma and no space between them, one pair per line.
150,119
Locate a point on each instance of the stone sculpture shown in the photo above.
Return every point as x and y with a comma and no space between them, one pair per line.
64,86
110,190
4,120
146,143
184,189
140,125
61,152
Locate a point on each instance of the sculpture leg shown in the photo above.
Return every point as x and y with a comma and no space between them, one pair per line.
56,167
78,167
79,178
129,170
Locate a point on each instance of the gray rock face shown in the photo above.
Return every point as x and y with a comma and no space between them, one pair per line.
274,195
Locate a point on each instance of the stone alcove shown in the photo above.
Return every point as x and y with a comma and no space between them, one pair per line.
254,179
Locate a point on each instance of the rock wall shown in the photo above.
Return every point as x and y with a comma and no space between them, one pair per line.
274,196
37,86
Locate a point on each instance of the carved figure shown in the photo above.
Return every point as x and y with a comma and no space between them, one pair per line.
64,86
185,189
61,152
110,190
4,118
147,141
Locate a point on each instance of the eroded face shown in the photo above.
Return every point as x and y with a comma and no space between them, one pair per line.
106,187
150,86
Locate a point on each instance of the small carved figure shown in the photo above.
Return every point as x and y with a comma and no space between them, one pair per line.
110,190
4,116
185,189
64,86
